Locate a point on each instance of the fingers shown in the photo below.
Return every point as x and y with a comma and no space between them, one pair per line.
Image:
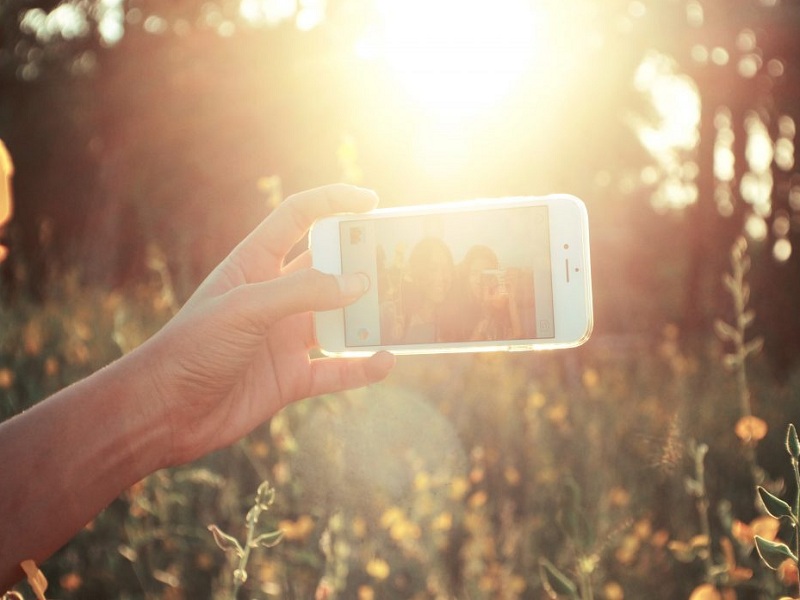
262,304
270,241
301,261
329,375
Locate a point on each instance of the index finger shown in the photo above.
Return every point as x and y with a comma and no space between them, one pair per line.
281,230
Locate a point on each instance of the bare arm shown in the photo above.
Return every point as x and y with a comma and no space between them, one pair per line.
232,357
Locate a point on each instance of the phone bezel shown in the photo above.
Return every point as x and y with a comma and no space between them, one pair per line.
570,265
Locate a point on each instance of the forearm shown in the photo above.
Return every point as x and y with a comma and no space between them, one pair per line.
70,456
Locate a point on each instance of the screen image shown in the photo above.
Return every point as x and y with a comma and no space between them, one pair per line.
466,276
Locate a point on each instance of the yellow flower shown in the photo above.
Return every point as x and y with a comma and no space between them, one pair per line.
443,522
378,569
422,481
390,516
590,378
6,378
512,475
365,592
478,499
297,530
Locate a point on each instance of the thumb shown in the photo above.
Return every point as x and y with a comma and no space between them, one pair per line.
307,290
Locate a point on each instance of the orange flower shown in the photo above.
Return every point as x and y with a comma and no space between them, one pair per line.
6,171
751,429
36,578
6,378
764,526
787,573
297,530
71,582
736,573
709,592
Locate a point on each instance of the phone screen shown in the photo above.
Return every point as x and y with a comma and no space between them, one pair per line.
461,276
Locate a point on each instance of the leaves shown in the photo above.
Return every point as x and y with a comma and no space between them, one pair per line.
226,542
267,540
725,331
265,495
555,583
774,505
792,442
773,553
754,346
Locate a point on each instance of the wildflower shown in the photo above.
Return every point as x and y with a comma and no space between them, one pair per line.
751,429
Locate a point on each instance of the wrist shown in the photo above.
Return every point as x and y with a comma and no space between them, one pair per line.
134,412
149,401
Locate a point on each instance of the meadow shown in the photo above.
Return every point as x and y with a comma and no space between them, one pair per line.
623,469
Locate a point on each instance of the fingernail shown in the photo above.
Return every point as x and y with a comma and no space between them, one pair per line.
353,284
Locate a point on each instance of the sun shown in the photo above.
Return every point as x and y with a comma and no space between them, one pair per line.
455,58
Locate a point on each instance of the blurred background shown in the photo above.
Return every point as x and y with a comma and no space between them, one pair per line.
148,137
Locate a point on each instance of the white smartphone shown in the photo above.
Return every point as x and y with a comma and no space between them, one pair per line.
480,275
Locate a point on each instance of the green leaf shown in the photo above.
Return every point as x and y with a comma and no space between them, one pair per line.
267,540
792,442
773,553
226,542
775,506
555,583
265,496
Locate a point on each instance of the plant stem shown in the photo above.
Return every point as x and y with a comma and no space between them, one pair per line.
796,510
703,503
739,292
586,585
240,574
745,406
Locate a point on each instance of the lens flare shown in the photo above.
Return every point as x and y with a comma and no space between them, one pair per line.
456,58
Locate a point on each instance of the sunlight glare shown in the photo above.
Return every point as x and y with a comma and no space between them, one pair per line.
65,20
457,57
756,228
267,12
676,101
782,250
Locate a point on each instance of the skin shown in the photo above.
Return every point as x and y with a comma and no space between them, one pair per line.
235,354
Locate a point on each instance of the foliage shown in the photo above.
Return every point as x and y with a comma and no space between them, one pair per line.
775,554
267,539
453,480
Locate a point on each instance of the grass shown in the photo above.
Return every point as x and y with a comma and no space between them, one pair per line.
624,469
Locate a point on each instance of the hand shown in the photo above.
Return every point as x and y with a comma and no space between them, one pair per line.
238,351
